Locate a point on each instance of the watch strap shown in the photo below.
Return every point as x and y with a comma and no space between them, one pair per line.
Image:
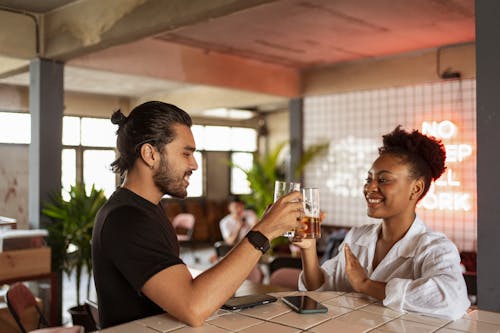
258,240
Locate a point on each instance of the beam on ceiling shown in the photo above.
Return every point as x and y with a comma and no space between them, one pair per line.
18,34
174,62
89,25
198,98
11,66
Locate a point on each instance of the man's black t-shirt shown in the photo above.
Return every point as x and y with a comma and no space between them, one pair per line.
132,241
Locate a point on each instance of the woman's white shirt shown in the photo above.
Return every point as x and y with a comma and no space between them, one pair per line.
422,270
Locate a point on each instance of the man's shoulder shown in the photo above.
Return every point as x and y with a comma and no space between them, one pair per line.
124,200
250,215
227,219
118,210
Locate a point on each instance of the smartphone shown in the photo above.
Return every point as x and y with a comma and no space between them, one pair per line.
304,304
248,301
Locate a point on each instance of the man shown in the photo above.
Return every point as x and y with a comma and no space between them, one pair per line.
137,269
238,222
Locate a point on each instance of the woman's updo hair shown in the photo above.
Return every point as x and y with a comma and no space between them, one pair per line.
151,122
426,155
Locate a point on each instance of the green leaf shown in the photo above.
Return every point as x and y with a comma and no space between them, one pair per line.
72,224
266,170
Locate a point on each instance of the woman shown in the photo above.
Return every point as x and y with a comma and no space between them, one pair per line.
398,261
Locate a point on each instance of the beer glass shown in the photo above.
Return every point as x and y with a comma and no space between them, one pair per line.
282,188
310,221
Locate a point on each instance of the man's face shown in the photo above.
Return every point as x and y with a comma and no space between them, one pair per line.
236,208
177,163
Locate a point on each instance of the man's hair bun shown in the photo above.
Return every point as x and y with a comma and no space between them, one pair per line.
118,118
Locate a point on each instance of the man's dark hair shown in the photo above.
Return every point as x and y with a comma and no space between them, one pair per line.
235,198
151,122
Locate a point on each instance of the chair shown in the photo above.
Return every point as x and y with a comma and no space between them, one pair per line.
284,262
333,243
469,261
222,248
93,311
19,298
184,225
284,271
255,275
471,284
285,277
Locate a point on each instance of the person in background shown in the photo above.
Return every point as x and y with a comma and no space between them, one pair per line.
238,222
398,261
137,269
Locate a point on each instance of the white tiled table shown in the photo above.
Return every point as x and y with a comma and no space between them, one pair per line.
347,313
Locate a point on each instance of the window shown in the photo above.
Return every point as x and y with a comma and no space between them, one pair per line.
239,141
88,151
243,139
195,188
97,170
98,132
15,127
239,182
217,138
68,172
71,131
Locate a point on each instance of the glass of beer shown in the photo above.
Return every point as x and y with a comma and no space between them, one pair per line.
311,226
282,188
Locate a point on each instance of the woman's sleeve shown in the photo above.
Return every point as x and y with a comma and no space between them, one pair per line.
438,290
328,271
333,272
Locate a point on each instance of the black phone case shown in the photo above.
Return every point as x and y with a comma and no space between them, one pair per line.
248,301
319,308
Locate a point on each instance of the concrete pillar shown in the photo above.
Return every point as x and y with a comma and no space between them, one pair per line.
488,157
46,102
46,107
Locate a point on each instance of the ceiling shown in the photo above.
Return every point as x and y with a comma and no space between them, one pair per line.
255,48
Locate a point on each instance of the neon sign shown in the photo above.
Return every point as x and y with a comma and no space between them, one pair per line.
351,156
445,193
348,160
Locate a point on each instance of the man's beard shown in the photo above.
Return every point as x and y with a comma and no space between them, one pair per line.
168,182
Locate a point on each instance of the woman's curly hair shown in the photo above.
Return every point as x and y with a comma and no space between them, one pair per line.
426,155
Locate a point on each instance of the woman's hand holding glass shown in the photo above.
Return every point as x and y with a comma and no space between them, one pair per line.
300,239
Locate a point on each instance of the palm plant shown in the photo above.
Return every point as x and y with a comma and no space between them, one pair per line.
267,169
70,232
264,172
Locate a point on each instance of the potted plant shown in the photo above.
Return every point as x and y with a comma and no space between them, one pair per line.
70,234
265,171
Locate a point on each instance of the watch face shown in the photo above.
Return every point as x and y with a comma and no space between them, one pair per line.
258,240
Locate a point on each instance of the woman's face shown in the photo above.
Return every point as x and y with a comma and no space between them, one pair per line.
388,188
